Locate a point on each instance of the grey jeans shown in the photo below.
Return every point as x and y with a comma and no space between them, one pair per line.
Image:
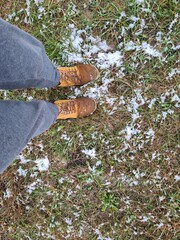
23,64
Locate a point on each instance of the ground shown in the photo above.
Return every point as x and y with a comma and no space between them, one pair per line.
113,175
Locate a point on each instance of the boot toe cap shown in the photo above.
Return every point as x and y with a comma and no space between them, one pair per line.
86,107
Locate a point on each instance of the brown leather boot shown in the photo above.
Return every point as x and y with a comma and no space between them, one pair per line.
75,108
78,75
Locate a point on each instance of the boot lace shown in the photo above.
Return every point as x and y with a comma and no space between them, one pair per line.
67,107
70,75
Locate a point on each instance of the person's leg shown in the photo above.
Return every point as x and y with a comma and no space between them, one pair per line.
19,123
23,60
22,121
24,63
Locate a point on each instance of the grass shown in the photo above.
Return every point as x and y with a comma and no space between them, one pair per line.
129,190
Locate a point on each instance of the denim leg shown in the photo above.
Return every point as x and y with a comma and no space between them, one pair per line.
23,60
19,123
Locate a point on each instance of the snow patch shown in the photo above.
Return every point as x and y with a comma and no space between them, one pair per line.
42,164
7,193
89,152
177,178
21,171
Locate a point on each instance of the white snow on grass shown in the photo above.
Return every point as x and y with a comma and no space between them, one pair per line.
42,164
65,137
129,46
139,1
175,48
135,103
11,16
173,22
138,174
31,187
159,36
100,236
165,114
130,131
89,152
84,48
145,47
37,2
7,193
173,72
27,18
97,91
98,163
152,102
176,99
28,3
134,20
22,172
76,38
177,178
107,60
150,134
23,159
149,50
